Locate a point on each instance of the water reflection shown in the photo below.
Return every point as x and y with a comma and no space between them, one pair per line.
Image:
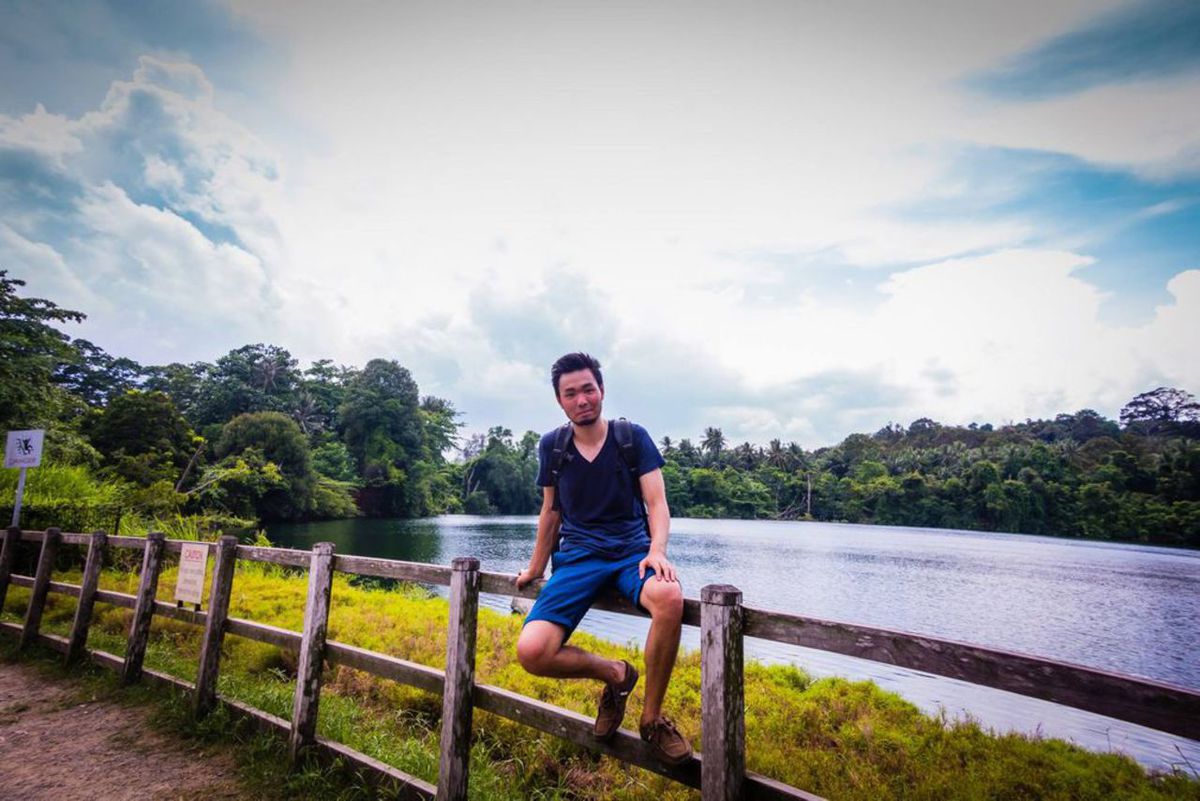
1127,608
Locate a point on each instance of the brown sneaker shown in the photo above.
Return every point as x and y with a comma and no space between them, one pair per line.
669,745
612,704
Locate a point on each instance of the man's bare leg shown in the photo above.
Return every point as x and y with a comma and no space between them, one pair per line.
664,601
541,651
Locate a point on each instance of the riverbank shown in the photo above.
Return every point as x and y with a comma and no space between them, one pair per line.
840,739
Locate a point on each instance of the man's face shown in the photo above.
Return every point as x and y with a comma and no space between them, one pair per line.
580,397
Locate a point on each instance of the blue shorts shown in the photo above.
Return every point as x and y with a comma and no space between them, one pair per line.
579,576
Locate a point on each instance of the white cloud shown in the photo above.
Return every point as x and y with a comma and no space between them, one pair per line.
1152,127
1169,341
152,214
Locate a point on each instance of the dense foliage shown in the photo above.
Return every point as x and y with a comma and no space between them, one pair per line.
250,435
1078,475
254,435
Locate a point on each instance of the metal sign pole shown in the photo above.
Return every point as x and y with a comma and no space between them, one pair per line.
16,519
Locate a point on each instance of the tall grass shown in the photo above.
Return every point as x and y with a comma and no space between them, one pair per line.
840,739
56,484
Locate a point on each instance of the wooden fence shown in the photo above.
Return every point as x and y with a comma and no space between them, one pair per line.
719,770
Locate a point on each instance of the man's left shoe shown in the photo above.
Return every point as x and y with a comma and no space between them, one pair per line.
612,704
669,745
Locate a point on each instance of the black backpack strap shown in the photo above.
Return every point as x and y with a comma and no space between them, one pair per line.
623,434
558,458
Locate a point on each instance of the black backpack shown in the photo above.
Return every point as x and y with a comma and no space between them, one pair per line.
622,433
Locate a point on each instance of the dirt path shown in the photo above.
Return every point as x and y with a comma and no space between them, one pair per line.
55,743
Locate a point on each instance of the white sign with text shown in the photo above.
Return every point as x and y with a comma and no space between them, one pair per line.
23,448
193,560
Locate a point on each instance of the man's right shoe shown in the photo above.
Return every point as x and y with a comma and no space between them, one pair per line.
669,745
612,704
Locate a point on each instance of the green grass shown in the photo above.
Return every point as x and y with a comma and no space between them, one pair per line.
840,739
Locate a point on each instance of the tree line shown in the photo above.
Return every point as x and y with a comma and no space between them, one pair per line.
253,435
1078,475
250,435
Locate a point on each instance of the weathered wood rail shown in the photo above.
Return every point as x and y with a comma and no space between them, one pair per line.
719,771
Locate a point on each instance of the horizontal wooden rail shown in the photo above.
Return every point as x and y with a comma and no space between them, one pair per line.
422,677
115,598
261,632
392,569
286,557
1159,705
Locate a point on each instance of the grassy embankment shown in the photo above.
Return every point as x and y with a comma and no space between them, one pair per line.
841,739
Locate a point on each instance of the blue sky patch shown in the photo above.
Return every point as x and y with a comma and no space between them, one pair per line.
66,61
1142,40
1140,232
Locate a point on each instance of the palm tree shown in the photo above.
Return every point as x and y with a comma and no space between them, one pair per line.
268,370
746,456
797,458
307,413
714,443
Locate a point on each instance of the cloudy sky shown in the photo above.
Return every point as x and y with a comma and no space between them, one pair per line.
787,219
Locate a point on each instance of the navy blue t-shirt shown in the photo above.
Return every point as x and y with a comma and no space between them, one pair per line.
600,512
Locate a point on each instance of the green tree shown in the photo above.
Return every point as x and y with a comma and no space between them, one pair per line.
713,444
383,427
332,459
501,479
381,416
95,376
143,438
686,453
252,378
1162,410
321,389
439,424
31,349
279,441
181,383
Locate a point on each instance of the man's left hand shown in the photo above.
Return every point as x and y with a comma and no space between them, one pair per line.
663,569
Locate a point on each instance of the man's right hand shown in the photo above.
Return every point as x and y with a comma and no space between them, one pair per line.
526,577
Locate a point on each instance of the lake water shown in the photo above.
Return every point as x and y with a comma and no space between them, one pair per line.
1129,608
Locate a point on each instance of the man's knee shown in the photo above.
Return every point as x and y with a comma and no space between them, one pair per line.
537,645
663,599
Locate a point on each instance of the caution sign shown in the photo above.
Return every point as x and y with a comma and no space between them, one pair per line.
23,448
193,561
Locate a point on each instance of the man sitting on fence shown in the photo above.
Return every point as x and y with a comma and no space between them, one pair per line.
605,521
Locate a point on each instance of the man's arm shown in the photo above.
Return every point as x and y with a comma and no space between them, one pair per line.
658,514
547,535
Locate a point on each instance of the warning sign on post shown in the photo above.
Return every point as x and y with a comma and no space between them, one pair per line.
23,448
193,560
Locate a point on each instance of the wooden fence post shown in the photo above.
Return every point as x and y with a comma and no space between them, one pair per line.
143,610
87,596
12,536
41,588
722,701
214,627
312,651
457,698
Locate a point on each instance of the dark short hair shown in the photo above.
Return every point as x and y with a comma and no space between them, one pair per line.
572,362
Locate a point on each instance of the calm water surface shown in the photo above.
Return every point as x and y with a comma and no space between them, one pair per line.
1129,608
